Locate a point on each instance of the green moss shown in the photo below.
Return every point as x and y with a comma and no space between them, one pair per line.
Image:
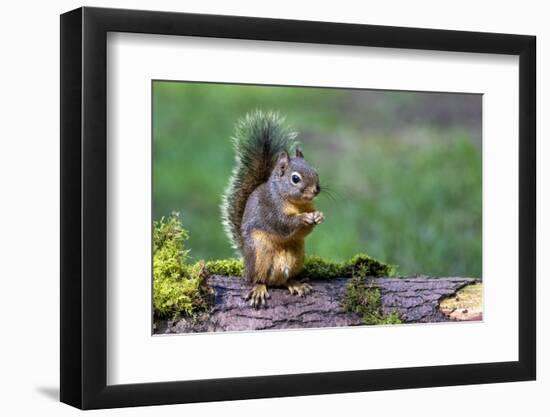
367,266
226,267
178,288
316,267
365,300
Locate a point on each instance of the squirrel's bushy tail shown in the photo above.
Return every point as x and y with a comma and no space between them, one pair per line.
259,138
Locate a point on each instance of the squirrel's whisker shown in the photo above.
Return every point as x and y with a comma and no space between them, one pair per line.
330,192
328,195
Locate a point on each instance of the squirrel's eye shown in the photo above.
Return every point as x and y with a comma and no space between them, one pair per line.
295,178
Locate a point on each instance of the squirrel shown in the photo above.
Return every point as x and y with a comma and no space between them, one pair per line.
267,208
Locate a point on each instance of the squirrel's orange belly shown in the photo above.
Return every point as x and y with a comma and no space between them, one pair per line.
276,261
285,265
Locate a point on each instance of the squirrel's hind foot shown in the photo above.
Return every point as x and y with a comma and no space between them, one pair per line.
258,296
299,288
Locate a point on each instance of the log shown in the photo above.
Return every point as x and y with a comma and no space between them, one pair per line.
416,299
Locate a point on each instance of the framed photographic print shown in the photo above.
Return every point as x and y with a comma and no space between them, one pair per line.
257,207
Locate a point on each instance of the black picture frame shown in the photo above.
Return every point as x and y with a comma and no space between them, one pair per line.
84,207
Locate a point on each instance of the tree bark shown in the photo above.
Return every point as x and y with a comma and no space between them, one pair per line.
416,299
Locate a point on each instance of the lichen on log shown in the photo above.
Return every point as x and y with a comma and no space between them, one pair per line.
465,305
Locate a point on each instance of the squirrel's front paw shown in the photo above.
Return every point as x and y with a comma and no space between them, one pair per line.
313,218
318,217
258,296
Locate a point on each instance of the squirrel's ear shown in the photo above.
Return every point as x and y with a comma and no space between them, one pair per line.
282,162
299,153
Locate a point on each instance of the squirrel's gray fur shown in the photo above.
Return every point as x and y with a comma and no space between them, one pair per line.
258,140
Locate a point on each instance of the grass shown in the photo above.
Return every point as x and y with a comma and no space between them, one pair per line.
404,170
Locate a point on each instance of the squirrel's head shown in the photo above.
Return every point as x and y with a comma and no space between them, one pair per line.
296,180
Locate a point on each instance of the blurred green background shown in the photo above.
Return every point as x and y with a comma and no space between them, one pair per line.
404,168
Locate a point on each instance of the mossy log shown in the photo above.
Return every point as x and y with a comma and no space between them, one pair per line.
415,299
